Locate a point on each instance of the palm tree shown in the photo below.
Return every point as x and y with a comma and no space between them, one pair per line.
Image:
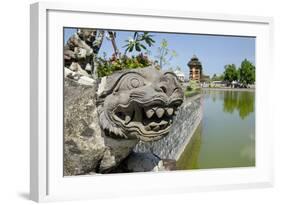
135,43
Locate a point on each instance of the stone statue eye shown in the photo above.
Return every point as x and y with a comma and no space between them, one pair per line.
135,83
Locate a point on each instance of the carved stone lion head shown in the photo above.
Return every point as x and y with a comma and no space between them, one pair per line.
139,103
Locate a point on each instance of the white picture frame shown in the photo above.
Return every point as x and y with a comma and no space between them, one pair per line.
46,137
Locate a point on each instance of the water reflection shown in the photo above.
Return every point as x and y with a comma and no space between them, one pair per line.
241,101
226,135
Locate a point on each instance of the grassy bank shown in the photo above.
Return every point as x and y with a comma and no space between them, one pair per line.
191,93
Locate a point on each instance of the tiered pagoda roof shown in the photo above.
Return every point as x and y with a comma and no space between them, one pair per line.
194,61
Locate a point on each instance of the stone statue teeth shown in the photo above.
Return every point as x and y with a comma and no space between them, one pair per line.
149,113
170,111
127,119
136,93
160,112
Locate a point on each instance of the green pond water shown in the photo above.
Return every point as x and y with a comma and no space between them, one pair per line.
226,136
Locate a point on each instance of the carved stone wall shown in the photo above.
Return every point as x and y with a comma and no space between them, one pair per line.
89,147
186,121
85,149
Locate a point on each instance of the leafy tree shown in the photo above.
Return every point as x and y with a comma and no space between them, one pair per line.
138,42
165,55
214,77
193,85
230,73
108,66
118,61
217,77
247,72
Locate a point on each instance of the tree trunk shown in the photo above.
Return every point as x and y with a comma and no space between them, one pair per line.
112,37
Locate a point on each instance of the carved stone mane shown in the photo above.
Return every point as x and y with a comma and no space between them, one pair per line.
138,104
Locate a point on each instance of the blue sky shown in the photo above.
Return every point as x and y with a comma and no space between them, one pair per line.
213,51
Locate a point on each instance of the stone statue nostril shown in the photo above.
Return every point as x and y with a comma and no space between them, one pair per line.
164,89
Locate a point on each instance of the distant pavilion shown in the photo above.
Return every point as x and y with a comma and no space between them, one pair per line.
196,70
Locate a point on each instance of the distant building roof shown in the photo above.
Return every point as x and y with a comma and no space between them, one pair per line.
194,61
205,78
179,73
